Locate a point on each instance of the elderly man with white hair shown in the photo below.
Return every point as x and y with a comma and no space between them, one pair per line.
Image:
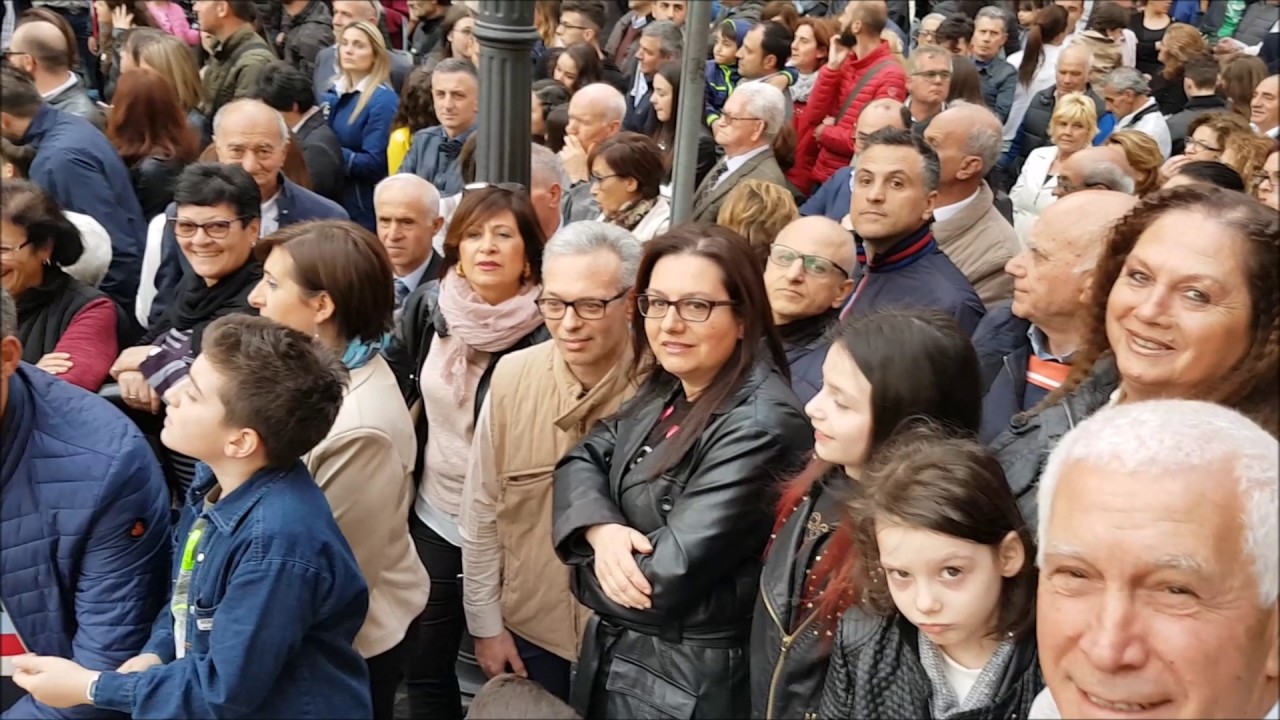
1158,565
596,113
407,209
752,117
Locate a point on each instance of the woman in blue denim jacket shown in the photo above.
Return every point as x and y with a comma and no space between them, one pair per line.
267,597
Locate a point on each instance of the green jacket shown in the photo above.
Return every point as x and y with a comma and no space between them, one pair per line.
233,70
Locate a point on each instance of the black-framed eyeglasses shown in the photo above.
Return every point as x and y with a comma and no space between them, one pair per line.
584,308
689,309
1272,178
215,229
599,179
567,26
514,187
814,265
1200,144
7,251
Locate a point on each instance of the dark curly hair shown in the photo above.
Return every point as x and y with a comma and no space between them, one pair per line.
1253,385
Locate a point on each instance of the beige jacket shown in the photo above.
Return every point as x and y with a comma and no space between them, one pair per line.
364,467
535,412
980,242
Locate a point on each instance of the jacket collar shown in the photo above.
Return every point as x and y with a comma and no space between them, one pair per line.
19,417
588,402
901,254
238,38
808,333
438,131
46,117
231,510
968,216
1207,101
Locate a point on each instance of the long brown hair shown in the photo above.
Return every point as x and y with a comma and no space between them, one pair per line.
1182,42
147,121
172,58
744,283
1240,75
1051,23
1144,156
1253,385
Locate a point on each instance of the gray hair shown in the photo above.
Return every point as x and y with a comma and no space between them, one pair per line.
668,34
1077,49
456,65
990,12
985,142
8,315
1127,78
931,16
420,187
547,165
1110,176
588,236
611,103
281,124
927,51
766,102
1176,438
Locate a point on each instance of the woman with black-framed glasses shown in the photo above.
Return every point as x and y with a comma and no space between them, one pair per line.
626,178
662,512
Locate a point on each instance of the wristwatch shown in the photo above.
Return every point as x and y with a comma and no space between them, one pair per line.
93,685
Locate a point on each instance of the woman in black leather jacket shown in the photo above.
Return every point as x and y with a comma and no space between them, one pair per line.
662,511
149,129
882,369
946,628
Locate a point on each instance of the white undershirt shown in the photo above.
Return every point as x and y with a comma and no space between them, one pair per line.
960,678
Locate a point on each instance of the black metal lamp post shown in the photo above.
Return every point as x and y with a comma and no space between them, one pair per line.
506,35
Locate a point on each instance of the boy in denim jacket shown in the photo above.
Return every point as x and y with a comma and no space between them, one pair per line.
267,597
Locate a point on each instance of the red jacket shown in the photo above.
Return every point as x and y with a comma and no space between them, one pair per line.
835,148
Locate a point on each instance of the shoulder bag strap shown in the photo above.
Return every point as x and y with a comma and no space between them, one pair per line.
866,78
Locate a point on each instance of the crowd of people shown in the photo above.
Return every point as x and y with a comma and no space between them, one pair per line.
924,411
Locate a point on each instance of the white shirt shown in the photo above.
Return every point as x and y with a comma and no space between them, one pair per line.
638,89
413,279
960,678
69,83
946,212
1273,133
305,117
270,216
1046,76
731,164
1152,124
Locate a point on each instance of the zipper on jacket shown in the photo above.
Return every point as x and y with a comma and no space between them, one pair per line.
787,641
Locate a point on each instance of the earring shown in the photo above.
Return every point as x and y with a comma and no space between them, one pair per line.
528,272
458,269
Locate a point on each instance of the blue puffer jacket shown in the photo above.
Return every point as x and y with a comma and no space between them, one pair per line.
84,523
364,146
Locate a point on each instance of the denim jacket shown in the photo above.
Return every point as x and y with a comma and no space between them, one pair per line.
276,601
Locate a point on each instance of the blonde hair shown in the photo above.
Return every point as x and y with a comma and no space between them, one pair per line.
1182,42
1074,107
172,58
1144,156
895,45
758,210
1249,153
381,72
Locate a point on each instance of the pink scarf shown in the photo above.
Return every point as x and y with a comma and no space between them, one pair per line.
477,325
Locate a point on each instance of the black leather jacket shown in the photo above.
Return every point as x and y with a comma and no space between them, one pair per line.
1024,448
153,181
789,645
708,518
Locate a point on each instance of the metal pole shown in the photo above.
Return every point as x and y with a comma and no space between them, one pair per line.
505,31
693,66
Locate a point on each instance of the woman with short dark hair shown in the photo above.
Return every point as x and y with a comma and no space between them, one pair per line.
333,281
67,328
662,512
626,178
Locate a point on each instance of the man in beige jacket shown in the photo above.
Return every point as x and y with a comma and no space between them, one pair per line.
966,223
541,401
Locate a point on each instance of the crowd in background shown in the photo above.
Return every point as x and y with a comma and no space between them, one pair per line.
951,267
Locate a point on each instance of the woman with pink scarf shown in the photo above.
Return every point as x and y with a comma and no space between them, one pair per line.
452,333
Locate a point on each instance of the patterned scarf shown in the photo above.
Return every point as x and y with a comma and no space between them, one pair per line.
944,702
803,85
631,214
477,325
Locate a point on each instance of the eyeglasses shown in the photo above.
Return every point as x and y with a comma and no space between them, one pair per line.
599,179
814,265
1272,178
567,26
731,119
933,75
6,54
514,187
689,309
585,309
925,37
1200,144
215,229
7,251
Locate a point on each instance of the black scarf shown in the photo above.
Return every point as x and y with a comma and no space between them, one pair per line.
199,304
800,333
45,311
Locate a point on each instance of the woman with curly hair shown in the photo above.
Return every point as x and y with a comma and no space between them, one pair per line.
1144,156
758,210
1246,153
1185,304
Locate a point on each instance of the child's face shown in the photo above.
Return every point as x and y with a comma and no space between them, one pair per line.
725,51
194,424
841,412
947,587
1026,17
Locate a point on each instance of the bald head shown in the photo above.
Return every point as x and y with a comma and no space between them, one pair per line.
824,236
873,14
1073,68
603,98
238,114
966,130
1083,220
1097,168
595,113
800,289
44,43
878,115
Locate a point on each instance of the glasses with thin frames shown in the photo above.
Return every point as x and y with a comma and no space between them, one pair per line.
585,308
214,229
1272,178
933,75
599,179
731,119
814,265
1202,146
689,309
6,251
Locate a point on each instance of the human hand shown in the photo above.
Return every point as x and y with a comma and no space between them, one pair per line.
616,567
130,359
138,663
54,681
121,18
55,363
494,654
1172,165
1227,45
836,53
136,393
574,157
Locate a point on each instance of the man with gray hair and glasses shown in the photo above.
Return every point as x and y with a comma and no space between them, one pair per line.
1127,94
1158,556
659,42
541,401
1095,168
753,116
